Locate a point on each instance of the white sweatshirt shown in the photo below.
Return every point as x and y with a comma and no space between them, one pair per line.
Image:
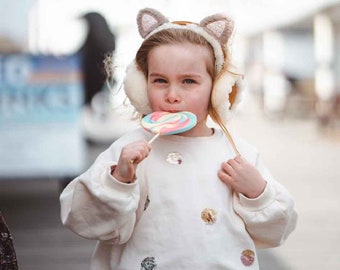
177,214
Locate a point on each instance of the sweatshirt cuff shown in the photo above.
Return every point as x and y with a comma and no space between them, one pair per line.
262,201
115,184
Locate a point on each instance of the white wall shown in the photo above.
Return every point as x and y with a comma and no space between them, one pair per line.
299,54
337,56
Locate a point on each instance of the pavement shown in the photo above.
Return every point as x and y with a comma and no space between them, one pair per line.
301,156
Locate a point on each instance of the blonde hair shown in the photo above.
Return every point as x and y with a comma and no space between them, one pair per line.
171,36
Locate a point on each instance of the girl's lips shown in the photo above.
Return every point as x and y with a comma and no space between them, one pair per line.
173,111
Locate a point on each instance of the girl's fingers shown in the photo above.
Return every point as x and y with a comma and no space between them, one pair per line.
233,164
239,159
224,176
227,168
136,152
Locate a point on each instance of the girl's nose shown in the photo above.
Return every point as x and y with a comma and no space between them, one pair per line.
173,96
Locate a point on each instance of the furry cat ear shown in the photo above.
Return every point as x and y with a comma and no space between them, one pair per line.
149,19
220,26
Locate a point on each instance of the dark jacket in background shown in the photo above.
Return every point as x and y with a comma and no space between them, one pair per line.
99,42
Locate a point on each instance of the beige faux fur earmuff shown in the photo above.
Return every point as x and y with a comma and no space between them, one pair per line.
216,29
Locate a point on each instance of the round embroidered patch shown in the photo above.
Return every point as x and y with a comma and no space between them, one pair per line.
174,158
247,257
149,263
209,216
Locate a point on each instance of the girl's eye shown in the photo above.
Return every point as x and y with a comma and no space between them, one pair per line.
159,80
188,81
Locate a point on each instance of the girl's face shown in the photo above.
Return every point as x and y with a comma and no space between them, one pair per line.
179,80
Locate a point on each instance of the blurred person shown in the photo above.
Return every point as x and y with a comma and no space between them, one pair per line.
100,42
97,50
197,200
8,260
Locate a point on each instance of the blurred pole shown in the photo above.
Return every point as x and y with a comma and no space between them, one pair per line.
324,74
275,87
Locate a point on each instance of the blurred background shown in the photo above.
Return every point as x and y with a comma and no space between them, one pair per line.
58,112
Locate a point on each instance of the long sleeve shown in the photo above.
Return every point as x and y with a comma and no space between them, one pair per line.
271,217
97,206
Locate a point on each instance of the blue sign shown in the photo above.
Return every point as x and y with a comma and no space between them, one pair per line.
41,99
39,88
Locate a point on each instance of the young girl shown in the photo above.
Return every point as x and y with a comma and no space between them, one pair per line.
196,200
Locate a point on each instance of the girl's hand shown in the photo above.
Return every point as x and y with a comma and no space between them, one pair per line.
131,155
242,177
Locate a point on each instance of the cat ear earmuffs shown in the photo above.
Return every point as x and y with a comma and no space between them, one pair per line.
216,29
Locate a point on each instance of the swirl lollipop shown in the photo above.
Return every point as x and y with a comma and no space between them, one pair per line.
166,123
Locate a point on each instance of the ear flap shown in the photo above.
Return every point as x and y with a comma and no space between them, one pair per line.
226,94
220,26
135,87
149,19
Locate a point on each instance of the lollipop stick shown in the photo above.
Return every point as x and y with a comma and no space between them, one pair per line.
154,138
